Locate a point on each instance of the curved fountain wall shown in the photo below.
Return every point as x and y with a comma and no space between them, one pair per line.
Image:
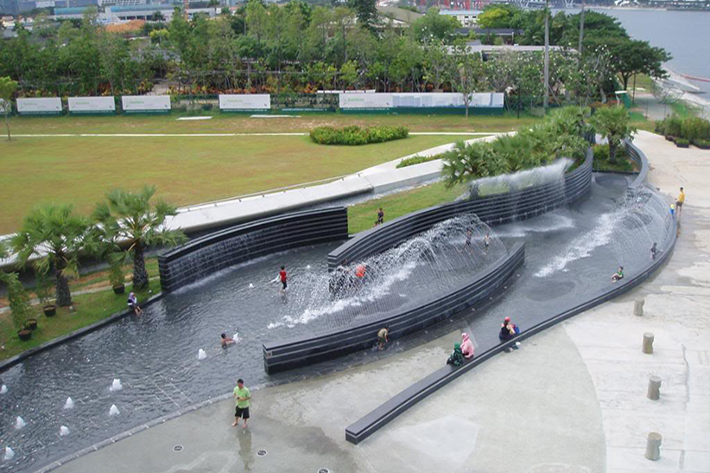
204,256
383,414
493,210
290,354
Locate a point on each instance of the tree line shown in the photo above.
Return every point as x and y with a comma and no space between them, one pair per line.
302,48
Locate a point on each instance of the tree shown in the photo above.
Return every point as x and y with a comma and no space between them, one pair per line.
437,65
435,27
7,89
467,74
55,235
130,217
158,16
366,12
629,57
614,123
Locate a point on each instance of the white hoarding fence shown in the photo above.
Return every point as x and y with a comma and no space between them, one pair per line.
145,103
365,101
40,106
89,105
244,102
384,101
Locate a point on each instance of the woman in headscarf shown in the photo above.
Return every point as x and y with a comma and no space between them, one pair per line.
466,346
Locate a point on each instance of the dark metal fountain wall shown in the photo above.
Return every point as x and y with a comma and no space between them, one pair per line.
205,256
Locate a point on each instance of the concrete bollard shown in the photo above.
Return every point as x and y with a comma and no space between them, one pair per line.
654,388
653,446
647,347
638,307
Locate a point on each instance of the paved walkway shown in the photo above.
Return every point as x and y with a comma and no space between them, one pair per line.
571,400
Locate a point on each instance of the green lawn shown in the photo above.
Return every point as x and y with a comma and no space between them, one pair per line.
90,308
186,170
190,170
363,216
233,123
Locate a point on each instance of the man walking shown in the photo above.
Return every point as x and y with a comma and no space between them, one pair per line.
242,396
679,203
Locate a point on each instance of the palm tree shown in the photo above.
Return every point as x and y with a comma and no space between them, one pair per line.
55,235
614,123
131,217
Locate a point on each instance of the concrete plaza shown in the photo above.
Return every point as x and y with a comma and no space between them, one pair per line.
571,400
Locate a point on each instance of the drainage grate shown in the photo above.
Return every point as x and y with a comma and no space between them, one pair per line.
261,453
177,448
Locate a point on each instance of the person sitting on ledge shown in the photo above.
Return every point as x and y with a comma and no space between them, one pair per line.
508,331
654,251
467,346
456,357
618,275
133,304
226,341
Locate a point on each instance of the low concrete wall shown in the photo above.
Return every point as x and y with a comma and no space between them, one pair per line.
204,256
641,162
494,210
290,354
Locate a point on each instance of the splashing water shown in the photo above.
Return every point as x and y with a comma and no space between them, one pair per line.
638,221
63,431
9,454
3,389
69,404
20,423
116,385
522,179
424,265
113,411
201,355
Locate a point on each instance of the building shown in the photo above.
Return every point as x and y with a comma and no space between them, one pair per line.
467,18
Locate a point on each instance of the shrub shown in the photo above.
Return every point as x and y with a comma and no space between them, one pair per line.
672,125
602,162
356,136
418,160
115,274
695,128
702,144
18,298
682,143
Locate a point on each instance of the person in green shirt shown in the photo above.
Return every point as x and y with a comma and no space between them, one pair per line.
242,395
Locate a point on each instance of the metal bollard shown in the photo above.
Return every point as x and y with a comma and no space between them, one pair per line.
647,343
653,446
638,307
654,388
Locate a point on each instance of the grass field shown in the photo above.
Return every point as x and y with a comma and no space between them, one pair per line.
363,216
190,170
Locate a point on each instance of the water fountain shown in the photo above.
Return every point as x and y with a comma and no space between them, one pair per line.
116,385
69,404
433,261
113,411
20,423
251,286
201,355
63,431
9,454
3,389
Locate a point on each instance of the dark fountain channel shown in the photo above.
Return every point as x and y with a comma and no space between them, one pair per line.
570,254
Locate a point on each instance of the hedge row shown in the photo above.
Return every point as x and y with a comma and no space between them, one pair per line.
355,136
418,160
689,128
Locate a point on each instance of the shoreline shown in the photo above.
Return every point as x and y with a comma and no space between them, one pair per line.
677,87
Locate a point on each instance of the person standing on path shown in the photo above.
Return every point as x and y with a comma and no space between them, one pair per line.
243,396
680,201
380,217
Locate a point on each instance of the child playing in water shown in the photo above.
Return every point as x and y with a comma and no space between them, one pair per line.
283,277
654,251
618,275
226,341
